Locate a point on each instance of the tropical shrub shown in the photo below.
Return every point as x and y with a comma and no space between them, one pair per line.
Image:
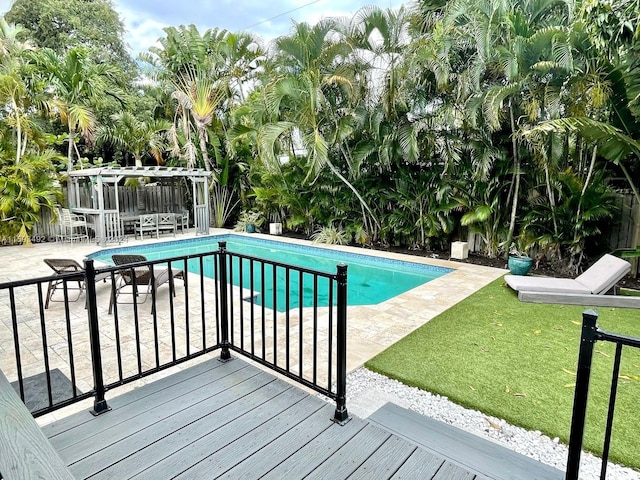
26,188
331,235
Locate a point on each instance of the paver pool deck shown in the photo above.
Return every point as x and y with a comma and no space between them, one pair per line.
371,328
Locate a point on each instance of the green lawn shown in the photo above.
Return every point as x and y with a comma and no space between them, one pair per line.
517,361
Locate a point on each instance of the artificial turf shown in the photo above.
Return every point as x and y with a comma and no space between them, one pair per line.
517,361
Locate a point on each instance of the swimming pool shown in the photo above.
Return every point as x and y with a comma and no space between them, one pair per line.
371,280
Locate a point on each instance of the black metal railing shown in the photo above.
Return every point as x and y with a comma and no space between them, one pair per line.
275,323
591,333
298,332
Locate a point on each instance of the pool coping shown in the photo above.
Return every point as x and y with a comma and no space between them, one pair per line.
257,238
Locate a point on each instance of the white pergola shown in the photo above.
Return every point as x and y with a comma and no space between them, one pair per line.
107,222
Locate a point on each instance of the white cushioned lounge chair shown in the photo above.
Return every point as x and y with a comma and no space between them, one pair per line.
596,281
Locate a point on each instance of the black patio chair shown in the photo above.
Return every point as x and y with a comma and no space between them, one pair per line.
63,266
142,276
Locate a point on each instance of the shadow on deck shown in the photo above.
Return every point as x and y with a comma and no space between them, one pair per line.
233,420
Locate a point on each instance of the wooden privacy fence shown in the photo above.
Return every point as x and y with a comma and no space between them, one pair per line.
627,233
157,198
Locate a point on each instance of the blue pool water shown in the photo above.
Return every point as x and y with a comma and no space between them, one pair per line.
371,280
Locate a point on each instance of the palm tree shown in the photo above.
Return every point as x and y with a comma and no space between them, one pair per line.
198,96
306,108
76,84
508,60
17,94
240,57
136,136
26,188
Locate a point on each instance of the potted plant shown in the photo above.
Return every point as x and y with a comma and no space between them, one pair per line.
249,221
519,262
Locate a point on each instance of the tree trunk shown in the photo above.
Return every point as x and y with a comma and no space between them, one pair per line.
516,189
18,133
203,148
552,198
71,191
72,135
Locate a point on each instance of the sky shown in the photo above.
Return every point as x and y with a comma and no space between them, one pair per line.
145,19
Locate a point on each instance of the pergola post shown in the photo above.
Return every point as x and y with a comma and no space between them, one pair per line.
99,229
207,211
201,204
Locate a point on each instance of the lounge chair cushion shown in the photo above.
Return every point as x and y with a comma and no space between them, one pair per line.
597,279
604,274
545,284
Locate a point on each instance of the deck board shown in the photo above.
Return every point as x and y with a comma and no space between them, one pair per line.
283,447
253,440
161,385
449,471
469,451
232,420
386,460
193,421
354,453
200,449
313,453
421,464
109,432
175,441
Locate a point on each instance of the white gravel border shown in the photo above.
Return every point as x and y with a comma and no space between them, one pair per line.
367,391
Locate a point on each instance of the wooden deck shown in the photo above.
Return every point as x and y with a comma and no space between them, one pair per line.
232,420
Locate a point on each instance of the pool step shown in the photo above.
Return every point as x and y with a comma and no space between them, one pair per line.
465,449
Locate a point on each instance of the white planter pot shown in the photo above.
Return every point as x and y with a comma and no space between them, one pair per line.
275,228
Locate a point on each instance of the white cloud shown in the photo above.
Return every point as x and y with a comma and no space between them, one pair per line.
141,32
5,5
145,19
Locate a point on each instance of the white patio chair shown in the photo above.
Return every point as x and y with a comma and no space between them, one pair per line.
167,221
147,223
74,226
182,220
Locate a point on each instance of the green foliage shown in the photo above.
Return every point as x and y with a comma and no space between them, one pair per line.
75,82
223,201
580,213
330,235
405,127
25,189
63,24
517,361
250,217
137,137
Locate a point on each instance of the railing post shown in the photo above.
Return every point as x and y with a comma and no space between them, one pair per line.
99,403
341,415
587,341
224,308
